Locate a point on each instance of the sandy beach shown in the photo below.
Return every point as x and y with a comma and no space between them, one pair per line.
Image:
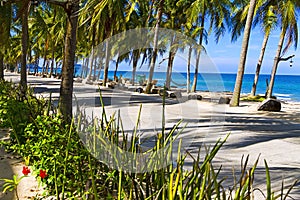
274,136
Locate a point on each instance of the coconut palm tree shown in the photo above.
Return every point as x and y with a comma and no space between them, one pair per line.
287,13
24,10
218,13
239,78
269,21
5,24
155,45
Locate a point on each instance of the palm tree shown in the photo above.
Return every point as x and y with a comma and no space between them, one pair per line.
5,22
218,12
175,19
24,9
66,86
239,78
155,45
108,19
269,22
287,12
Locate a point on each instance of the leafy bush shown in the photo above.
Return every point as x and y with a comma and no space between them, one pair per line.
17,109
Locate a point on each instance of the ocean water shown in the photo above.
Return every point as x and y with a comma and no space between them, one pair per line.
286,87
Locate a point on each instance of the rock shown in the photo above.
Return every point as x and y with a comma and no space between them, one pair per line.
139,90
78,80
194,96
175,94
110,85
155,91
162,92
224,100
270,105
170,94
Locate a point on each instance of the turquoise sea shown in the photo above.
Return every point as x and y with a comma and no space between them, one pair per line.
287,87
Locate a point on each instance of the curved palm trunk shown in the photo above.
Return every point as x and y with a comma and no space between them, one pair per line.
91,64
172,54
107,55
26,6
155,44
275,65
189,70
66,86
116,70
235,100
194,86
53,61
134,64
169,70
258,66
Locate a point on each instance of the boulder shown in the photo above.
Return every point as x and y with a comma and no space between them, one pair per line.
224,100
170,94
270,105
163,92
139,90
175,94
194,96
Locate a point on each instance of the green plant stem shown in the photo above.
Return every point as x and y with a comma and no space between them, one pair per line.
93,179
66,159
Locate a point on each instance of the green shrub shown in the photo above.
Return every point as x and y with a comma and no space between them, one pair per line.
17,109
253,98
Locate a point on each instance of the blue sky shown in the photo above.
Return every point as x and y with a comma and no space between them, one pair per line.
226,54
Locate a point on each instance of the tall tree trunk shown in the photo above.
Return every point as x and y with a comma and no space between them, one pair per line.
194,86
195,80
135,59
26,7
1,66
155,44
172,54
91,64
189,70
66,86
116,70
84,67
258,66
107,58
53,61
169,70
275,65
235,100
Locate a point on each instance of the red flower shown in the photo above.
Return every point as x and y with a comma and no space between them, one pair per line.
25,170
43,173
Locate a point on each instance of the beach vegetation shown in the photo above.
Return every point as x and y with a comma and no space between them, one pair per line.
68,168
256,98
